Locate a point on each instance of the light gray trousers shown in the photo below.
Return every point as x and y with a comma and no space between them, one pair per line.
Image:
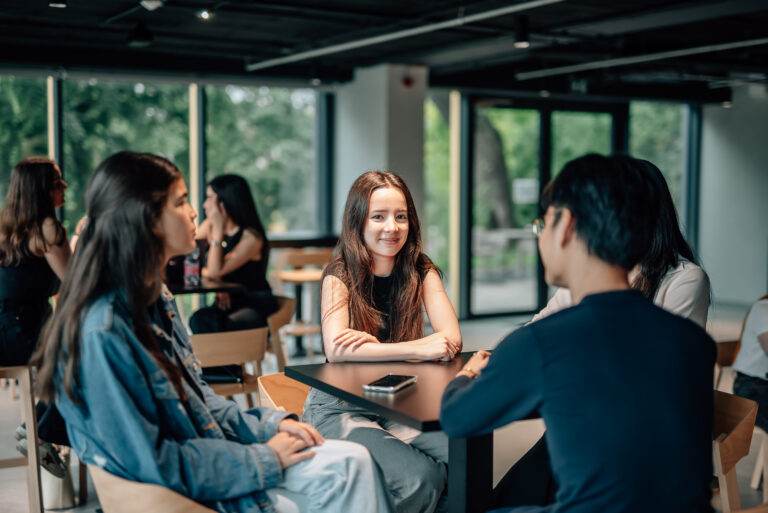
340,478
414,463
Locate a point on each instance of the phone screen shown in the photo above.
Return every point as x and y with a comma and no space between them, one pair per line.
390,380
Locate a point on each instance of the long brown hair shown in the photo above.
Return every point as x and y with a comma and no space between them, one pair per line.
27,204
118,250
353,265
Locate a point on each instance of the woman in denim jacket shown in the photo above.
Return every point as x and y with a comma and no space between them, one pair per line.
117,361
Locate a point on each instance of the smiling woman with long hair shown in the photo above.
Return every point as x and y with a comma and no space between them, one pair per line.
374,294
116,358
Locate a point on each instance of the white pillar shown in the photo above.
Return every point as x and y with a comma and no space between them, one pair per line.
380,125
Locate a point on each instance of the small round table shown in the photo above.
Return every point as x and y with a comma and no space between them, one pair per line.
299,277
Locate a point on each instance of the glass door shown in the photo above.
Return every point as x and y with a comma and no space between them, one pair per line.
505,189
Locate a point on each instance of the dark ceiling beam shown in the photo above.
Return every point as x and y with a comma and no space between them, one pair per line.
661,18
638,59
400,34
499,50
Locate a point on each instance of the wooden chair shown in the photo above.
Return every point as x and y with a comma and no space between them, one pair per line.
282,393
31,461
285,309
734,420
118,495
233,348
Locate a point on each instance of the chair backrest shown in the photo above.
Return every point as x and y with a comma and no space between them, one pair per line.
734,421
282,393
304,257
118,495
285,309
230,347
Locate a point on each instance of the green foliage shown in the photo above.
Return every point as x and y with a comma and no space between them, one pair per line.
519,133
23,130
266,134
435,222
577,133
103,117
656,135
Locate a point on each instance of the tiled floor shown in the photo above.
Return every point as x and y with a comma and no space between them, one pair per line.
510,442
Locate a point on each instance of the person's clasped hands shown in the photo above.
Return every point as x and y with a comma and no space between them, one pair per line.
291,439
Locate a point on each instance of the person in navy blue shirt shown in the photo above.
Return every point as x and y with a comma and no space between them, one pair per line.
624,387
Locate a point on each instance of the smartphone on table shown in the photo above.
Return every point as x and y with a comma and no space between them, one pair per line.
390,383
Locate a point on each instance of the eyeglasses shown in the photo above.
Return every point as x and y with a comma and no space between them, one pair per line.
537,226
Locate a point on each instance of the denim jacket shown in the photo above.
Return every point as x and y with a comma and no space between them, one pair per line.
131,421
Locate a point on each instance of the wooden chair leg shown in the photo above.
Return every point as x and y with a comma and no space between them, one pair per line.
249,400
729,492
82,487
33,457
757,474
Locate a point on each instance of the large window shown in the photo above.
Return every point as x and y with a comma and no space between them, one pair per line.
103,117
434,219
656,134
23,130
266,135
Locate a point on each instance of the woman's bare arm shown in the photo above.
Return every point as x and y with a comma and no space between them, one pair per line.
345,344
56,248
217,265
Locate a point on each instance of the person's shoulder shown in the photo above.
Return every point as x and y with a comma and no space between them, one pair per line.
104,314
685,270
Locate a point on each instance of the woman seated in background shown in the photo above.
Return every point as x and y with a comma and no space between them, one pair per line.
117,360
34,254
374,293
238,252
668,273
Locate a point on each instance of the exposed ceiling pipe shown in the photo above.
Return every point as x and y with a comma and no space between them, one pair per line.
400,34
636,59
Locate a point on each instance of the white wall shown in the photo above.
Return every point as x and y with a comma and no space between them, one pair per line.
379,123
733,221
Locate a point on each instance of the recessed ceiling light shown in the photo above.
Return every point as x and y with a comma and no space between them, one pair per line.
204,14
59,4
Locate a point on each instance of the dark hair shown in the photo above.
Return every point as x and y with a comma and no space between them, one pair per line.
612,206
27,204
235,195
119,249
352,263
667,244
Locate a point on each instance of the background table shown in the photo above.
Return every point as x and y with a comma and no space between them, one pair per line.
206,285
470,460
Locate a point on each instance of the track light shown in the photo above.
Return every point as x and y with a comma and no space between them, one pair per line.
59,4
204,14
140,36
522,32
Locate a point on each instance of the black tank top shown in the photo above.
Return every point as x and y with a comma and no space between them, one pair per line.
29,284
252,274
